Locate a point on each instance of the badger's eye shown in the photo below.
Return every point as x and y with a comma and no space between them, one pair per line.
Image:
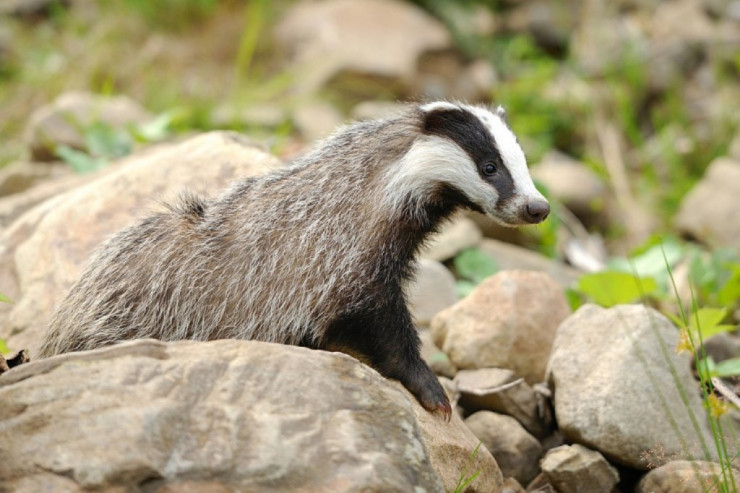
489,169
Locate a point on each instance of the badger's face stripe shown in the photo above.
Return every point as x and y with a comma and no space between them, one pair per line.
486,138
468,131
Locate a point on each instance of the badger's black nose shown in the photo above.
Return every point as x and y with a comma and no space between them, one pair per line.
536,211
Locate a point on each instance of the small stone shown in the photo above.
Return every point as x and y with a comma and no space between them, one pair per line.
499,390
575,469
379,41
512,257
376,110
516,452
437,360
511,485
709,212
257,115
20,176
63,121
316,120
573,184
682,476
508,321
431,291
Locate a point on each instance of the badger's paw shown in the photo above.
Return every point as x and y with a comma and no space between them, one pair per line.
429,392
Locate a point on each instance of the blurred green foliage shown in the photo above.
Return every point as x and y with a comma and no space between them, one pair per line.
472,266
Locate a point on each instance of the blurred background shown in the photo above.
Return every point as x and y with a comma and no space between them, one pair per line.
627,110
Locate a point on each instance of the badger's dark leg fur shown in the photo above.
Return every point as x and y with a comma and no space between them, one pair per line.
385,338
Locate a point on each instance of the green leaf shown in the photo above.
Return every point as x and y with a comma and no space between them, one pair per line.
575,299
727,368
651,262
706,321
729,293
3,347
78,160
154,130
474,265
609,288
105,141
5,299
464,288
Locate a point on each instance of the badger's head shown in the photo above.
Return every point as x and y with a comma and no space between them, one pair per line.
470,153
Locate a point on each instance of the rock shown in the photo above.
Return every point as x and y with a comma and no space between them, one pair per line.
475,82
359,42
679,35
541,484
508,321
722,346
511,485
682,476
451,446
376,110
574,468
437,360
603,38
454,237
20,176
225,415
42,253
709,211
550,23
446,75
31,9
614,391
516,452
316,120
576,186
495,389
253,115
735,145
431,291
63,121
13,206
512,257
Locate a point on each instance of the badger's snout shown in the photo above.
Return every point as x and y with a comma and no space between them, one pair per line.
535,211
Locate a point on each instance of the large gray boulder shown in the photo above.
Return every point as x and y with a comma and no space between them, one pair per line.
221,416
620,388
43,252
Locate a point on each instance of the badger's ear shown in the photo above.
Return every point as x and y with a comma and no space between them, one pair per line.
443,118
501,112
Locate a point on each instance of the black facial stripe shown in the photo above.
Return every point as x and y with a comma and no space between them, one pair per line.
467,131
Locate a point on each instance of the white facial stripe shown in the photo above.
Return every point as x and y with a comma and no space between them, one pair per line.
511,152
433,160
440,105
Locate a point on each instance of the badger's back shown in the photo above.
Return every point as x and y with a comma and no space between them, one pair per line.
275,258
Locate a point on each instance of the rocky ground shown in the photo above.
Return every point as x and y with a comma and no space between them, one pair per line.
592,399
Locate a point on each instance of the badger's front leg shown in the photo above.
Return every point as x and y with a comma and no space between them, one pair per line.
385,338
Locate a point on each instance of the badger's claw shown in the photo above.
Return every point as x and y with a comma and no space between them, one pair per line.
445,409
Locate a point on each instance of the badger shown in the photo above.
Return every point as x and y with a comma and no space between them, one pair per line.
315,254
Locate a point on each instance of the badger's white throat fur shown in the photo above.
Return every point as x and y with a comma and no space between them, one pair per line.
315,254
